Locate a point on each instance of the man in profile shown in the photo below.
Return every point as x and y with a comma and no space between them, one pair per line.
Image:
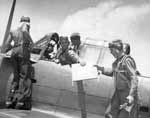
126,82
52,46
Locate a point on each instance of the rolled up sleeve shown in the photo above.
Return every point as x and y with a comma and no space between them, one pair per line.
107,71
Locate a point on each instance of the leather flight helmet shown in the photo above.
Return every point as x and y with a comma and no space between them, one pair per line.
25,19
117,44
75,38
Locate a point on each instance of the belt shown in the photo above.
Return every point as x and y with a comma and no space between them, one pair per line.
18,45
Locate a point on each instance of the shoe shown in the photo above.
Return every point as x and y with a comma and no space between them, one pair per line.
8,104
19,105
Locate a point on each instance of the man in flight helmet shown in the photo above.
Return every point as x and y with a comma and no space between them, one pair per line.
125,78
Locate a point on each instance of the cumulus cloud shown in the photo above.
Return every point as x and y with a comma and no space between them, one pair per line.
110,20
105,21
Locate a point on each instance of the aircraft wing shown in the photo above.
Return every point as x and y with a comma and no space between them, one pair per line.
34,57
40,113
48,112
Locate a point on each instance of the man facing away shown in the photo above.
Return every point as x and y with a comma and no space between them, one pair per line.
126,82
20,42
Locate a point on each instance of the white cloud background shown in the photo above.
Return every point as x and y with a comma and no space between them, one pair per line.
110,20
128,20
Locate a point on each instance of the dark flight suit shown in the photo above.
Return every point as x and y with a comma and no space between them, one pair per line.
20,58
48,50
50,46
126,82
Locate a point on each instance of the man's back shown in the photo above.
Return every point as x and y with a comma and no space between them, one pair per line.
21,42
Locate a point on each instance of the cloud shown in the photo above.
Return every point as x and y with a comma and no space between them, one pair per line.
110,20
104,21
43,27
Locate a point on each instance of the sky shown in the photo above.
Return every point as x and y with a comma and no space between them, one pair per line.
46,15
128,20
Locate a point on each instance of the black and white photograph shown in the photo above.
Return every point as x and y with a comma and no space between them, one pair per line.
74,59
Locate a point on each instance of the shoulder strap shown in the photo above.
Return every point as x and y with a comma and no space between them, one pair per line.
127,57
124,58
119,72
121,62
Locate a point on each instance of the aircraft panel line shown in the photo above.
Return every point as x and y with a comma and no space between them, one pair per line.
67,108
68,91
60,115
9,115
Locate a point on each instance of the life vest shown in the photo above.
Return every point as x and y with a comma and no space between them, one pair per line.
123,79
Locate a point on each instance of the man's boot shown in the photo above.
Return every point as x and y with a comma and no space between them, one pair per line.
10,103
19,105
